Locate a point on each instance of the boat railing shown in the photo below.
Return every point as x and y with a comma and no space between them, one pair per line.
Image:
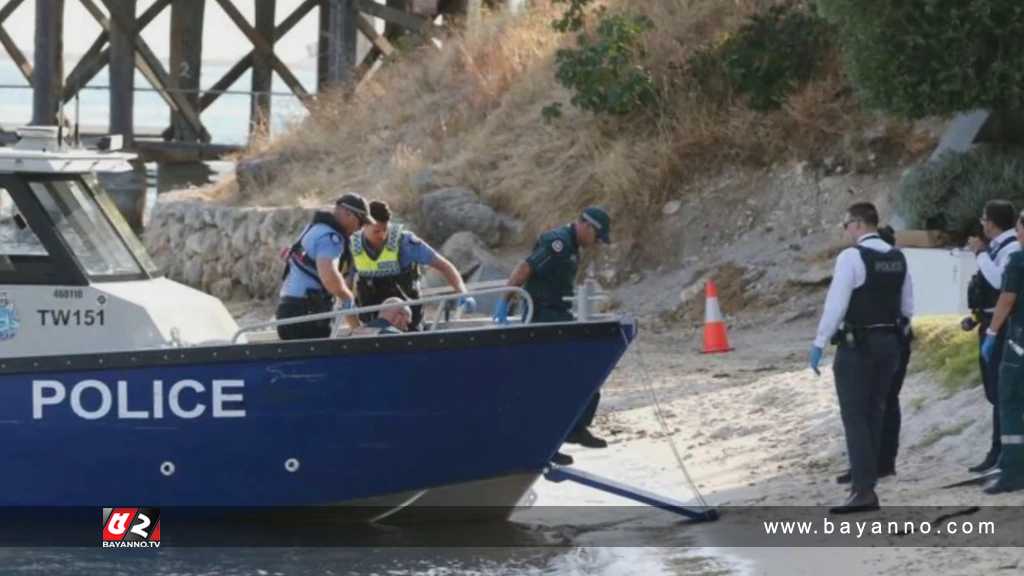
432,299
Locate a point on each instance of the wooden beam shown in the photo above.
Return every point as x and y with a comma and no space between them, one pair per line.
49,62
340,42
122,72
9,9
365,69
16,55
243,65
394,31
98,55
323,34
147,63
9,45
376,39
263,47
403,19
262,72
187,18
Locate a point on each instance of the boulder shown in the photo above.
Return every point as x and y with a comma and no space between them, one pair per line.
258,172
450,210
469,253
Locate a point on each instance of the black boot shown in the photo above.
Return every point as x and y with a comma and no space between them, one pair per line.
561,459
584,438
844,478
990,461
859,501
1005,484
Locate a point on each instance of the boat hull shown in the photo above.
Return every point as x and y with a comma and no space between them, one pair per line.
301,423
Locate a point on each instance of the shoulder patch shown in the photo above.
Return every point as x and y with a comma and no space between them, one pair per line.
558,246
413,239
335,238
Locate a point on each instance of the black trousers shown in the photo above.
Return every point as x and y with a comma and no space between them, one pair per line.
544,315
990,378
292,307
864,376
892,421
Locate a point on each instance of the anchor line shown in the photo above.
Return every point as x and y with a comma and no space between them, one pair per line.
659,414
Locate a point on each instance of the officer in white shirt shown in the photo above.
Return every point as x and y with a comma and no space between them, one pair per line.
870,298
998,221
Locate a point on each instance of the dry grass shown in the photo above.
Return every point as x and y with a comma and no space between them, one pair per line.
470,112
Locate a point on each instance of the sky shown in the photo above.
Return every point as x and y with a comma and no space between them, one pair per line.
222,40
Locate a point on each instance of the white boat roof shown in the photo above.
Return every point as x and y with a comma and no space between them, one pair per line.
39,151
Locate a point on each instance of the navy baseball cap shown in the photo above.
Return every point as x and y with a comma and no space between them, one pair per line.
357,205
601,222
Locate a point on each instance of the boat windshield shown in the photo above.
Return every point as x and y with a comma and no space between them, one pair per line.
16,237
85,229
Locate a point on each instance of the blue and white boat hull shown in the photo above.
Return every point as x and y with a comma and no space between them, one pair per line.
466,418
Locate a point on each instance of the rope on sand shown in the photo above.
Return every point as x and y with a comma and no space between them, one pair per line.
659,414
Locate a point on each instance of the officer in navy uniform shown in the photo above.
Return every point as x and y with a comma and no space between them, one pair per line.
997,223
870,295
387,259
1010,308
312,276
549,276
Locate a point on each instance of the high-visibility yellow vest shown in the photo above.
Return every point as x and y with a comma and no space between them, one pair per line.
386,263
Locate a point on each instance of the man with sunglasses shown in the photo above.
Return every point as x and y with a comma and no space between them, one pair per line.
997,223
312,276
870,296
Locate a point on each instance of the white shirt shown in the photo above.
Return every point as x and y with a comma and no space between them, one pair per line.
993,270
849,275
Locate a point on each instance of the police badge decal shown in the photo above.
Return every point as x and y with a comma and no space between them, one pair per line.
8,318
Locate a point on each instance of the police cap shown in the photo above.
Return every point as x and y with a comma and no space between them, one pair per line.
357,205
601,222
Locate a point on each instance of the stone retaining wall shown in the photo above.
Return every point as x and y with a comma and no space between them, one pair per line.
230,252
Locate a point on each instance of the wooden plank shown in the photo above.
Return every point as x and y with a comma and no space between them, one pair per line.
341,38
98,56
262,73
9,9
324,33
403,19
122,73
365,69
16,55
187,18
243,65
393,31
376,39
147,63
49,62
263,47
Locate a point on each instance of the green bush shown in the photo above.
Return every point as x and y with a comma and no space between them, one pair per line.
917,58
773,53
604,70
574,17
950,193
942,348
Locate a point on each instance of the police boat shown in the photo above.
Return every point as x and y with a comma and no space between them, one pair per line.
118,385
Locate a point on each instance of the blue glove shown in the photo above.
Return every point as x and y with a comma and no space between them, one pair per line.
988,347
347,304
816,353
501,311
468,304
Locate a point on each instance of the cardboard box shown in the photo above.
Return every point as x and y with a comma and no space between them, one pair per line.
922,239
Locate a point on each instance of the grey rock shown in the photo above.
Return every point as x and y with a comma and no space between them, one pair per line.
258,172
222,288
451,210
423,181
192,274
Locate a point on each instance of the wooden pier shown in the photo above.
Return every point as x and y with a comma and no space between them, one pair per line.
121,47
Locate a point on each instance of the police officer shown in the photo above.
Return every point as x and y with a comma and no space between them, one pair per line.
1011,372
312,276
892,420
549,276
997,223
870,294
387,259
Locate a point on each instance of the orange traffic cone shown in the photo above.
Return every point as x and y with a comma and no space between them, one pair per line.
715,339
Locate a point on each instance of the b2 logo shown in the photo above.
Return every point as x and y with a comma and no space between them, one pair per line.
131,527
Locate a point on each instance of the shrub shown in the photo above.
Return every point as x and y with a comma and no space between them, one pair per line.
574,17
950,193
942,348
917,58
604,70
773,53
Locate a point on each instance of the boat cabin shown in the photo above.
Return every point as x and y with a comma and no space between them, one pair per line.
74,277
